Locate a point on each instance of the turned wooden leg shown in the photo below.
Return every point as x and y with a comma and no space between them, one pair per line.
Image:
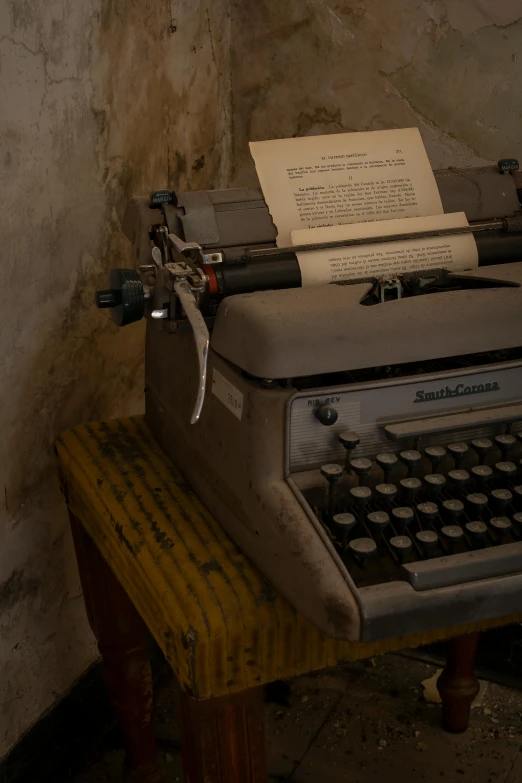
122,641
457,684
223,739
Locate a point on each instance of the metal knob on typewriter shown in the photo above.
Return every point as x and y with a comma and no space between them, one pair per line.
458,451
477,533
411,458
482,446
350,441
435,454
501,499
505,444
361,467
477,503
410,488
386,461
326,415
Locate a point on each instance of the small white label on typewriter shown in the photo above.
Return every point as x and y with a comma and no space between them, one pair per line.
228,394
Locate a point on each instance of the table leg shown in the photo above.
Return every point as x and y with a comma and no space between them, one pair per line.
223,739
457,684
122,641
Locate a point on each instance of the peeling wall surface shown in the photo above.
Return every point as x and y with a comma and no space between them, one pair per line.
106,99
99,101
451,67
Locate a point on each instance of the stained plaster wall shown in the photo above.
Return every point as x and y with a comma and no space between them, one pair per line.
99,100
105,99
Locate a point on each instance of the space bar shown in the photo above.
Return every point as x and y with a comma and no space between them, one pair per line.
467,567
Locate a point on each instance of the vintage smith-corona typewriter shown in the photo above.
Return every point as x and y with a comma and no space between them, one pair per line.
361,442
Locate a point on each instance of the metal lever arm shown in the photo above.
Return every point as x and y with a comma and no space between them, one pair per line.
201,338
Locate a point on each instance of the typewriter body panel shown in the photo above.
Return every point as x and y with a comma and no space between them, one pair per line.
291,371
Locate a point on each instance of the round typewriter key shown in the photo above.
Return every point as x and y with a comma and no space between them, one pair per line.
427,538
362,548
343,524
435,454
458,451
519,436
501,525
482,474
428,512
350,441
385,493
501,499
401,546
505,444
433,483
361,467
332,473
360,497
410,488
459,478
377,522
452,509
411,458
452,532
477,503
517,496
402,517
506,469
482,446
476,529
386,462
517,519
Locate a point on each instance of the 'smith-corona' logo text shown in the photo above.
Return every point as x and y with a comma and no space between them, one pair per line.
460,390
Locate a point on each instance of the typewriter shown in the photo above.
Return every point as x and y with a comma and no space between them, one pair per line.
361,442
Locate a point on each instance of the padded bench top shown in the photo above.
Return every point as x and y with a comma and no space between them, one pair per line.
220,624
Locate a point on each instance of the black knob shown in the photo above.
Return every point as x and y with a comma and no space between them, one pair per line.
159,197
350,441
507,165
411,458
125,297
326,415
458,451
386,462
505,444
435,454
482,446
477,503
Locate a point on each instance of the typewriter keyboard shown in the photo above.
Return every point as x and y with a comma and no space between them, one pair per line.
417,514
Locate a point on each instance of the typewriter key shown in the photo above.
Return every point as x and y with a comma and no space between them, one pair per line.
482,474
360,497
517,496
361,467
402,517
332,473
506,469
350,441
385,493
435,454
482,446
428,513
362,548
501,499
401,547
342,526
517,519
377,522
410,488
501,525
452,509
427,539
459,478
458,451
411,458
477,503
452,533
505,444
477,531
433,483
386,462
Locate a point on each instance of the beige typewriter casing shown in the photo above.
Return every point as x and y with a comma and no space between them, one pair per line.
237,457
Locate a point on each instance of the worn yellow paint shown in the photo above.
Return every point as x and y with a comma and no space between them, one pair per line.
222,627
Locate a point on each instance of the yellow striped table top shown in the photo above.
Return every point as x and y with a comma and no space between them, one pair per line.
220,624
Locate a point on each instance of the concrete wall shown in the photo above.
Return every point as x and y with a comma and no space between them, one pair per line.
451,67
99,101
104,99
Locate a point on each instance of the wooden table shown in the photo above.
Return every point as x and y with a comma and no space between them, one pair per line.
151,556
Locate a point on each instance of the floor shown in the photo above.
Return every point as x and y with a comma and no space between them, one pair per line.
361,722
